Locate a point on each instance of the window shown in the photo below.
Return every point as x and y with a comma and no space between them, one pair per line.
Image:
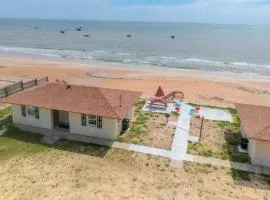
31,111
92,120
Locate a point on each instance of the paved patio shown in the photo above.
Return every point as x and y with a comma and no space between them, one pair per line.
155,109
215,114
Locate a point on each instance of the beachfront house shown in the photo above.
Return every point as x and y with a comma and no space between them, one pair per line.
255,126
69,110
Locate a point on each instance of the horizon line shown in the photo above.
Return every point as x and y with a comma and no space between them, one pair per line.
132,21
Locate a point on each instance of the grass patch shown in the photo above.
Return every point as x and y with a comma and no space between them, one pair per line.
16,142
240,175
204,105
227,152
200,149
227,149
4,112
197,168
139,105
137,128
175,114
266,178
239,157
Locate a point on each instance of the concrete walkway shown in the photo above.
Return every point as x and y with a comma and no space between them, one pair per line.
150,150
226,163
180,140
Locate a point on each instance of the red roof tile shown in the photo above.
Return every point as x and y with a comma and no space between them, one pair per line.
78,99
255,121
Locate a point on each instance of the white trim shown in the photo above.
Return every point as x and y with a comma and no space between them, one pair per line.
89,124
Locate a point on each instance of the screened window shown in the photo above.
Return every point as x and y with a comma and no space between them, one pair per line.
92,120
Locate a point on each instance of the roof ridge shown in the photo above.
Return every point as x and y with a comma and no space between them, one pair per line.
113,108
90,86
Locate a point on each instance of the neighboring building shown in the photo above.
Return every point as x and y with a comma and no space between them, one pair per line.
81,110
255,125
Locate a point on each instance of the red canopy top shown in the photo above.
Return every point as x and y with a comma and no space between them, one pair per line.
159,92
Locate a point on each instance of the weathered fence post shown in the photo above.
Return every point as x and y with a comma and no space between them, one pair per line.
21,85
201,128
35,81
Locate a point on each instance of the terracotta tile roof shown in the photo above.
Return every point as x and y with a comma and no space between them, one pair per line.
78,99
255,121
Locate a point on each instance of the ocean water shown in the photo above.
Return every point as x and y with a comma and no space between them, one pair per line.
241,49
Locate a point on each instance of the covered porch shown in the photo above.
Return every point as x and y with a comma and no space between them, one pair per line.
60,120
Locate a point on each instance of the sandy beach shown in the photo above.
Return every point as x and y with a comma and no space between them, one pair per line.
202,88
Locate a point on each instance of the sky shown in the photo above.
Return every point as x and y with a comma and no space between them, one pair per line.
198,11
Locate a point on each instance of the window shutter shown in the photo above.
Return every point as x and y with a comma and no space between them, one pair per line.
37,112
99,121
83,119
23,110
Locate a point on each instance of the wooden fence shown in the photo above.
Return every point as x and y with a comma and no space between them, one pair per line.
10,89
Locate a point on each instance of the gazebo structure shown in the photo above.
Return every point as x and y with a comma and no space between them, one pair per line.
158,99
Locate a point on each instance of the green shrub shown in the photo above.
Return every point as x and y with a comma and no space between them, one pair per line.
5,111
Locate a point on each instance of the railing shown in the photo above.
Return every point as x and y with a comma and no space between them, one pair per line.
10,89
175,94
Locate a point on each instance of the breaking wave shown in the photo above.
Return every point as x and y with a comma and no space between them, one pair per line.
134,59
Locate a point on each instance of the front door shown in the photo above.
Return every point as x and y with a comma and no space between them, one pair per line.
55,117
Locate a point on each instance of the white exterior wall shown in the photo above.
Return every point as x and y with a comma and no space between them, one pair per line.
130,113
45,120
251,149
243,131
259,152
109,128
